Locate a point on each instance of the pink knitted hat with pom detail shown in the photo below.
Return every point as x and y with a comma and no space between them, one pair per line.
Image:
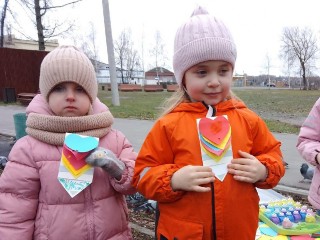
201,38
67,64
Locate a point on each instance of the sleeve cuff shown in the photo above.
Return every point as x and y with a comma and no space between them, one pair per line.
273,177
170,194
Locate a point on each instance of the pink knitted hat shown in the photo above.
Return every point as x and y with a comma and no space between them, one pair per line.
201,38
67,64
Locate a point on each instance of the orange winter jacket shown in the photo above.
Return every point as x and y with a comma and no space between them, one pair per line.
230,210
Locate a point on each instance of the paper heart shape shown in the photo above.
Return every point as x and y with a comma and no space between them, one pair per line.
223,143
81,143
213,149
75,172
215,152
208,143
75,159
214,157
214,130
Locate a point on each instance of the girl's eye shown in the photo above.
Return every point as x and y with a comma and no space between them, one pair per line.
58,88
224,71
80,89
201,73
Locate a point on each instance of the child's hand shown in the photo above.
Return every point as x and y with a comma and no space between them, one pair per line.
247,169
189,178
104,158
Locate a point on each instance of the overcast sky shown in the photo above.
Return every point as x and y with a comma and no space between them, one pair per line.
256,25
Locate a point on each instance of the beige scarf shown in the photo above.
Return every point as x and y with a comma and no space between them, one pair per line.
52,129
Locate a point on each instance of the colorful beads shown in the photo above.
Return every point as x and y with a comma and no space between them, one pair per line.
286,212
310,218
286,223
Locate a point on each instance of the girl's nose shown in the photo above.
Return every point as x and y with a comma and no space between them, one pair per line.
70,95
213,81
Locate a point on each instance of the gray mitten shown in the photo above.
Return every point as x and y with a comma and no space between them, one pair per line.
104,158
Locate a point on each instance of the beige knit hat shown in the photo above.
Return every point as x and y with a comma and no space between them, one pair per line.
67,64
201,38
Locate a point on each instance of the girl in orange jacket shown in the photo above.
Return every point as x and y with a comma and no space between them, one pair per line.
194,202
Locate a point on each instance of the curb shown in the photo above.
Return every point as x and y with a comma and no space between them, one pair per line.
7,135
292,190
141,229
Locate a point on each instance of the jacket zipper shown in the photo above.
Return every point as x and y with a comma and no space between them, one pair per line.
89,212
214,234
212,196
212,199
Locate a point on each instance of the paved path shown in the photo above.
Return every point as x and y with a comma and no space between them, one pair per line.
136,130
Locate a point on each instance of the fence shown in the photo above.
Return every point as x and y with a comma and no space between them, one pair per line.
19,72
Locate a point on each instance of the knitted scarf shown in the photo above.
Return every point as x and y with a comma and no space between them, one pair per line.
52,129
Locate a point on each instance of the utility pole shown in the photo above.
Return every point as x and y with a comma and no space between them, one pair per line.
110,48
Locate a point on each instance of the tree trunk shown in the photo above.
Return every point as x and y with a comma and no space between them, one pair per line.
39,25
304,80
121,66
3,16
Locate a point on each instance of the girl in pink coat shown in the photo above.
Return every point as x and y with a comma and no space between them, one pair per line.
33,203
309,147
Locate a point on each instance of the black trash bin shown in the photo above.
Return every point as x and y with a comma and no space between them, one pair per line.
9,95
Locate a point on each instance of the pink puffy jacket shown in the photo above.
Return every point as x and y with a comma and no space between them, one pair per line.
309,146
34,205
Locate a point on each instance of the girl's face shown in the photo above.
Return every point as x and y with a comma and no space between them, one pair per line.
69,99
209,81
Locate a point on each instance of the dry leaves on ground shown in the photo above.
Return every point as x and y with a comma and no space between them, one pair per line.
145,220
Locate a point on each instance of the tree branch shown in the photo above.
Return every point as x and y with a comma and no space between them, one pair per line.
63,5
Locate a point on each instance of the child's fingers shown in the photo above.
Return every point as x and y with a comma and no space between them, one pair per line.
201,189
246,155
205,180
243,178
200,175
202,169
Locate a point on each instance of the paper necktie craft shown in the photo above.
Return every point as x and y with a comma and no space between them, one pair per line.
215,142
74,173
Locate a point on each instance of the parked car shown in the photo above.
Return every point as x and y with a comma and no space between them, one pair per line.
271,85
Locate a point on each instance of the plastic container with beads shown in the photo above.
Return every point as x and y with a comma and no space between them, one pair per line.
288,217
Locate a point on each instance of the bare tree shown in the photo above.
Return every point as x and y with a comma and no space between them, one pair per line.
158,51
88,44
127,56
288,65
268,66
299,45
2,21
121,48
45,28
133,62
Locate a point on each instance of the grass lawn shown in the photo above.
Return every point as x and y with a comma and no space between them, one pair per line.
297,103
139,105
273,105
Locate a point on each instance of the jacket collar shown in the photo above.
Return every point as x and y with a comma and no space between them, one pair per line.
199,107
